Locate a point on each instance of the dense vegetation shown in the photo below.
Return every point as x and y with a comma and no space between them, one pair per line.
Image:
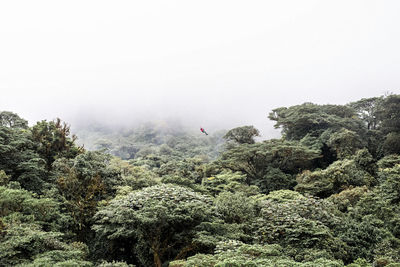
325,194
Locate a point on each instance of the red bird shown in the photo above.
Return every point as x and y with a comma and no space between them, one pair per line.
203,131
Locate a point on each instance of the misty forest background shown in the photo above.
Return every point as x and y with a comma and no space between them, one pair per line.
326,193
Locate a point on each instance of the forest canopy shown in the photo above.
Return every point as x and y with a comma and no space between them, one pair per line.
326,193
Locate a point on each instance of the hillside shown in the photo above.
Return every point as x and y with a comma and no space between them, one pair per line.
326,193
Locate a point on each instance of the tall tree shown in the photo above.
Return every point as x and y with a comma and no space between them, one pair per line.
271,164
12,120
162,219
53,140
83,182
367,110
298,121
242,135
389,114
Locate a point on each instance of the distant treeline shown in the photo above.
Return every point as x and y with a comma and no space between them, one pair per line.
327,193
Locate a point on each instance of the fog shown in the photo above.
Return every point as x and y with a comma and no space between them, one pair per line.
216,64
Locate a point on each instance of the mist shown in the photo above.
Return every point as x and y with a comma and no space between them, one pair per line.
212,64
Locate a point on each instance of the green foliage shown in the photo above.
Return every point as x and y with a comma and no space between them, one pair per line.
20,161
344,142
185,199
29,230
23,205
363,237
12,120
158,139
67,255
52,140
391,144
230,182
348,198
389,114
390,183
4,178
299,224
283,196
242,135
388,162
190,168
236,207
360,262
234,254
338,176
298,121
83,182
367,110
269,163
162,219
115,264
136,177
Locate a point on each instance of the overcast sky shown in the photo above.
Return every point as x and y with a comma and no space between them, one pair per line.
225,63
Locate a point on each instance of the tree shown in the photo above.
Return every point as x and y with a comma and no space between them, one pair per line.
163,219
12,120
298,121
344,142
228,181
83,182
304,226
52,140
389,114
236,207
267,162
136,177
242,135
235,254
19,160
391,145
367,110
338,176
30,231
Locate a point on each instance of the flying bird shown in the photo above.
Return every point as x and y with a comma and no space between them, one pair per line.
203,131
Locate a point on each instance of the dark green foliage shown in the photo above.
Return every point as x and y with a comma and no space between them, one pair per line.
83,182
389,114
391,144
19,160
53,141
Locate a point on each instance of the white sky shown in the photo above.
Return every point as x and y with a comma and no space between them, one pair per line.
225,63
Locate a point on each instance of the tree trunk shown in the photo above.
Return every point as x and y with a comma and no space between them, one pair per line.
157,260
